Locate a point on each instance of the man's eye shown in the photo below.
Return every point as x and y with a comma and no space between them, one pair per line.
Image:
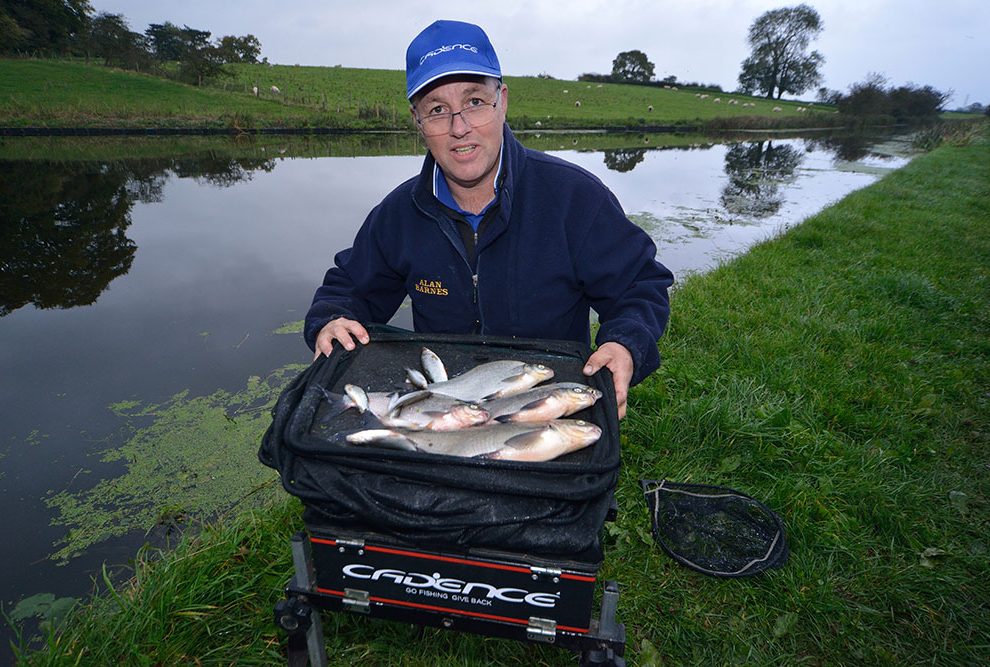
435,110
476,102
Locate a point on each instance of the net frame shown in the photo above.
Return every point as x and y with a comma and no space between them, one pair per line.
775,554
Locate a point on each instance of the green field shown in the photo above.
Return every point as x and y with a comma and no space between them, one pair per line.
40,93
840,373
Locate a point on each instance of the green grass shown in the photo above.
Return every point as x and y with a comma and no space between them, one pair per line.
839,373
40,93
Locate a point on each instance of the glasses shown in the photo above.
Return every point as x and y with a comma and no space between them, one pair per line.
478,115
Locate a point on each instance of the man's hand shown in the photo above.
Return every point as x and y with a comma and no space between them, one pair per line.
342,330
617,359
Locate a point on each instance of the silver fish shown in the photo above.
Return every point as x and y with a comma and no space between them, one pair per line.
434,413
507,442
494,379
433,366
543,403
416,378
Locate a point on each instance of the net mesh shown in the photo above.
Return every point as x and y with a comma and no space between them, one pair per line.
715,530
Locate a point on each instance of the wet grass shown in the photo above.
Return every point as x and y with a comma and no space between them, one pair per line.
840,373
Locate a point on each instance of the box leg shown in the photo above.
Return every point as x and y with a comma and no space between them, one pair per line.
611,632
297,617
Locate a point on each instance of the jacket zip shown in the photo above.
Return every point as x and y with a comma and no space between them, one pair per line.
475,299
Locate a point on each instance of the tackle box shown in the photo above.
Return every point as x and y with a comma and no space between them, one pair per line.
500,548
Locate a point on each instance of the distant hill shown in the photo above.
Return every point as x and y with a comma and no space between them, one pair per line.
56,93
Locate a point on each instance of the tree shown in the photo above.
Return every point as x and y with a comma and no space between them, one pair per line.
866,98
12,36
244,49
779,62
201,64
111,38
828,96
872,97
632,66
51,26
166,40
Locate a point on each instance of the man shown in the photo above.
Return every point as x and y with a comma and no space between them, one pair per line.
493,238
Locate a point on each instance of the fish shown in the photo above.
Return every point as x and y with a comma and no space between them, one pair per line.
495,379
542,403
427,412
416,378
505,442
433,366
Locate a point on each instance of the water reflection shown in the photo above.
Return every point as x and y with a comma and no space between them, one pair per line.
63,226
63,236
756,171
625,159
846,147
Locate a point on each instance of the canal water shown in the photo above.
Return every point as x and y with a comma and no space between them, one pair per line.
150,307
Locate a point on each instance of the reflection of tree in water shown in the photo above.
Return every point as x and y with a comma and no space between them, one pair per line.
624,159
847,147
63,225
221,173
756,171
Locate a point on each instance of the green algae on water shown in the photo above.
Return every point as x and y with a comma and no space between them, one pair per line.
197,457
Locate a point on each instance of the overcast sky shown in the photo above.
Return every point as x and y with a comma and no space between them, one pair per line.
942,43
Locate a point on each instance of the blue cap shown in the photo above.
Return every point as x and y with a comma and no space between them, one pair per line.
445,48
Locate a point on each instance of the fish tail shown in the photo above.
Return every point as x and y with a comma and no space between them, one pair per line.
339,404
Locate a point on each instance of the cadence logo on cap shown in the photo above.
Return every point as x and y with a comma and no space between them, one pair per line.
446,48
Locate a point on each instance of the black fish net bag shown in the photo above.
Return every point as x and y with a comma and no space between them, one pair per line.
714,530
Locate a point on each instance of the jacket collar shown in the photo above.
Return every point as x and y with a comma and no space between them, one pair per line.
513,160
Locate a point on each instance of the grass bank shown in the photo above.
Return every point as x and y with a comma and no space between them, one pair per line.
68,94
840,373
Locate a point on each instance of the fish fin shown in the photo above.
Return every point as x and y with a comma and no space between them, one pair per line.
527,439
505,419
382,437
339,404
402,400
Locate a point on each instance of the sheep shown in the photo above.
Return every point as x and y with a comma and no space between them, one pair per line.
276,91
649,108
717,100
702,97
775,109
254,90
577,103
673,87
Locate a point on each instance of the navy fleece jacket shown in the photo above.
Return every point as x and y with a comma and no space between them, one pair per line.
556,244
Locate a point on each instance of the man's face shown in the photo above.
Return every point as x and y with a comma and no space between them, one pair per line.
468,155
